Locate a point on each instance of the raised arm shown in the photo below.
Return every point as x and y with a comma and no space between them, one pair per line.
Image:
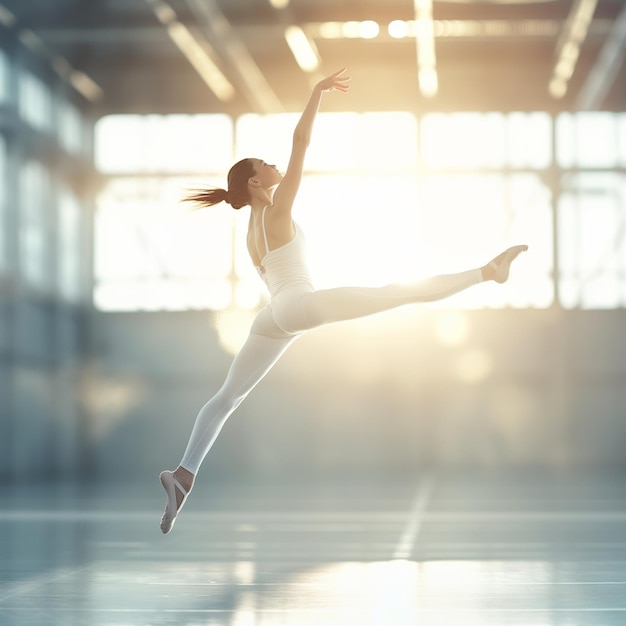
286,192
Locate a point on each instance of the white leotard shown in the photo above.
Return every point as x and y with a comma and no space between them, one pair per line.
285,266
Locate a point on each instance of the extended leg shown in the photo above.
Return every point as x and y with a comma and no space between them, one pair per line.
254,361
345,303
309,309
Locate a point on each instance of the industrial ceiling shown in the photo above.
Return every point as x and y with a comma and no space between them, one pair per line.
236,56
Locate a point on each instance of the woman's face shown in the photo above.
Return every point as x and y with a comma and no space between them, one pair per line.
268,175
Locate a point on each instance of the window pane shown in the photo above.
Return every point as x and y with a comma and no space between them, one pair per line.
171,143
388,141
69,261
529,138
592,241
119,144
3,205
470,217
34,197
622,138
341,141
463,140
265,137
70,128
565,140
596,140
380,252
4,77
152,253
588,140
34,101
336,144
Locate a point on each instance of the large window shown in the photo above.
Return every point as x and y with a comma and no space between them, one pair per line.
412,197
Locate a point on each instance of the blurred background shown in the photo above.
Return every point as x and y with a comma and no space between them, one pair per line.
470,126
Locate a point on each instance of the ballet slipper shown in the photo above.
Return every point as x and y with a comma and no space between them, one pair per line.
502,263
170,484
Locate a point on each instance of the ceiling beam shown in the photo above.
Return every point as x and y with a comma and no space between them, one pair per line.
195,49
473,30
568,47
253,83
605,70
425,44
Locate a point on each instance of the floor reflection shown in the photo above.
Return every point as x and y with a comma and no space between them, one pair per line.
481,552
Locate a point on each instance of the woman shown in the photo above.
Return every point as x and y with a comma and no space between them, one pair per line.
276,246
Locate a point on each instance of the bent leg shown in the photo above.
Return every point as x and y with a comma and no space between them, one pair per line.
346,303
254,361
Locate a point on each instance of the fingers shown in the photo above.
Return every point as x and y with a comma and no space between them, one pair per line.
341,87
338,78
337,82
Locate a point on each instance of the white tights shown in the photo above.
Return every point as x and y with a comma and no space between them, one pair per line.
290,313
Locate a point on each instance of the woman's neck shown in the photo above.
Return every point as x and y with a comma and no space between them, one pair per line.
262,198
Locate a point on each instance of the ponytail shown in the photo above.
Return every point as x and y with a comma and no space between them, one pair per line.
237,195
204,198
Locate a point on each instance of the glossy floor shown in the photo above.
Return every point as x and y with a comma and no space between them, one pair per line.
436,549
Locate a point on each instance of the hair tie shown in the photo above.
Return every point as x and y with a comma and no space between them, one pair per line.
226,196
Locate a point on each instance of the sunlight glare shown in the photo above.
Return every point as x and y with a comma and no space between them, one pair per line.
233,327
474,366
406,593
452,328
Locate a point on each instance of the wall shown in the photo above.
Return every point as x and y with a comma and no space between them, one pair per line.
47,187
532,388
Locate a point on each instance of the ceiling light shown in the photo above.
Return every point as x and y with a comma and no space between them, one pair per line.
351,29
330,30
302,48
398,29
369,29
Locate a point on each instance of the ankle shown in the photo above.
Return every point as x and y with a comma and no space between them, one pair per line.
184,477
488,272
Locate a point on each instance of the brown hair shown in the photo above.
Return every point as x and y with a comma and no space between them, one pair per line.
237,194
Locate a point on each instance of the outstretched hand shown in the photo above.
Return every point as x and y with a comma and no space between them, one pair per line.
335,82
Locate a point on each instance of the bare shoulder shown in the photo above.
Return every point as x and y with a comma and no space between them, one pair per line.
279,225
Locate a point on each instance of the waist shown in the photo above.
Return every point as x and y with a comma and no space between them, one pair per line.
278,278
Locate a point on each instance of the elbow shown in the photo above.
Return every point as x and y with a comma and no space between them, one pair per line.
301,138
